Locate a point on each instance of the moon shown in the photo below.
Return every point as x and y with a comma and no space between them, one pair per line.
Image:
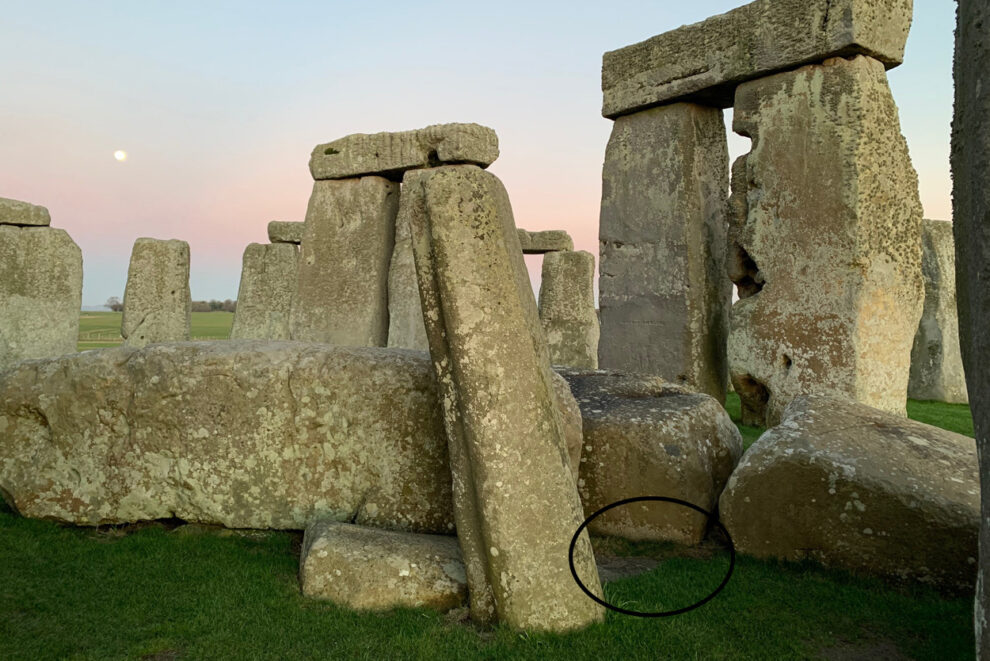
120,155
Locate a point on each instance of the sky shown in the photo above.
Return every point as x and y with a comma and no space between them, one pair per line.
219,104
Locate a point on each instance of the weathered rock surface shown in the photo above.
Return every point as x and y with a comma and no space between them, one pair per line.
246,434
857,488
405,312
539,243
515,500
157,302
936,362
264,300
825,225
704,62
664,296
282,231
372,569
646,437
392,154
25,214
41,275
567,308
342,288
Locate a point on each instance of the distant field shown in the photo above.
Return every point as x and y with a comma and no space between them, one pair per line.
102,329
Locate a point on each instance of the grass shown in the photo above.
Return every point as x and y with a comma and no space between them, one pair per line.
102,329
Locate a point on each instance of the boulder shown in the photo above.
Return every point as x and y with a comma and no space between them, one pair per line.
281,231
157,302
856,488
567,308
24,214
264,300
540,243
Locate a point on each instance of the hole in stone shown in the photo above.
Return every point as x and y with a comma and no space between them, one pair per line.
753,396
432,159
787,361
330,151
746,274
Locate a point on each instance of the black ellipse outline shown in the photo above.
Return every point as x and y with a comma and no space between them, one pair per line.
661,499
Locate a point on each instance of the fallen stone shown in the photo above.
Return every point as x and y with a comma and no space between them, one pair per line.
539,243
515,500
825,227
371,569
391,154
859,489
280,231
936,362
342,289
646,437
405,313
264,300
24,214
704,62
567,308
157,303
664,296
41,276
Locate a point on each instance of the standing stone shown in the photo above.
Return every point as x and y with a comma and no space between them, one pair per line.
157,303
515,501
281,231
405,313
24,214
663,292
264,300
342,291
825,223
567,308
936,362
971,225
40,293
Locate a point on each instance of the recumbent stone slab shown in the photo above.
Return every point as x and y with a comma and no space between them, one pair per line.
282,231
264,299
157,302
567,308
25,214
539,243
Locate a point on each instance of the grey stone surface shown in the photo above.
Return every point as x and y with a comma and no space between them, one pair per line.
283,231
936,362
405,313
856,488
567,308
825,231
342,289
704,62
664,296
25,214
392,154
157,302
515,500
971,227
539,243
264,299
41,274
642,437
371,569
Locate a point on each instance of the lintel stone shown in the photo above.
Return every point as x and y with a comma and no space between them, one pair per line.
15,212
280,231
539,243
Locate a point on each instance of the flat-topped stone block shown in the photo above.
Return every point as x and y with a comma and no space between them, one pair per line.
281,231
15,212
539,243
704,62
391,154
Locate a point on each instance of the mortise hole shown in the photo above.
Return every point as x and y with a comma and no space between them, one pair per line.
330,151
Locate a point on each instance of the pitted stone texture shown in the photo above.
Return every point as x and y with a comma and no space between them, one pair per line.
41,274
515,500
856,488
644,436
282,231
264,300
567,308
825,226
342,290
405,312
392,154
157,303
704,62
370,569
664,296
540,243
25,214
936,362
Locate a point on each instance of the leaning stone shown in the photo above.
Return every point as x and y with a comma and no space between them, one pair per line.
856,488
663,292
371,569
567,308
157,303
515,500
391,154
264,300
41,273
826,241
539,243
646,437
936,362
280,231
15,212
704,62
405,312
342,291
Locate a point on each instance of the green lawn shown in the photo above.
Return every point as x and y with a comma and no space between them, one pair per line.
102,329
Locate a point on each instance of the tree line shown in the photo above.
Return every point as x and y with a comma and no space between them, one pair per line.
115,304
